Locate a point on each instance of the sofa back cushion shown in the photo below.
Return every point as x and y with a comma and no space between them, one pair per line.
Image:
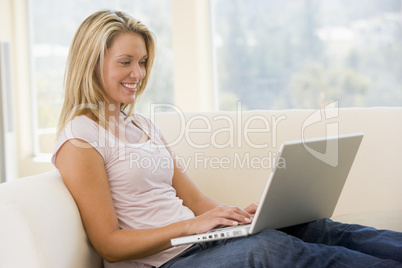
229,155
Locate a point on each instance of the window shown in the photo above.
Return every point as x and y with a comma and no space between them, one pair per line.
305,54
52,27
267,54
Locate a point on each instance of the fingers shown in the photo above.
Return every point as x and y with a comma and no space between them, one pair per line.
252,208
234,214
219,216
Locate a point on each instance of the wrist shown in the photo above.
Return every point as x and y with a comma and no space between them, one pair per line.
188,228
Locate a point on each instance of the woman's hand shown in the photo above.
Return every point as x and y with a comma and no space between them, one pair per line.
222,215
252,208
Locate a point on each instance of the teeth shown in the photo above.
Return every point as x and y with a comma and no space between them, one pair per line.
132,86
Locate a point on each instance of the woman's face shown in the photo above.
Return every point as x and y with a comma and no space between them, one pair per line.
124,67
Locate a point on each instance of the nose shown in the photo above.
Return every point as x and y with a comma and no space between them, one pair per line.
137,72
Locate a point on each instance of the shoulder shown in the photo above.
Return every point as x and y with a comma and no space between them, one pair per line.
84,128
84,133
80,125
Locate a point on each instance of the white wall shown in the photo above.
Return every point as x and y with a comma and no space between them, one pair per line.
192,55
5,35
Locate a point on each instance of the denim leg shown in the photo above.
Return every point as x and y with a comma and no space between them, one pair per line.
273,248
379,243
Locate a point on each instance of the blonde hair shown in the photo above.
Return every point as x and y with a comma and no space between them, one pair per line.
84,90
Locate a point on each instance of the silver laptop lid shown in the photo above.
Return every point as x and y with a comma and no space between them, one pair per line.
307,181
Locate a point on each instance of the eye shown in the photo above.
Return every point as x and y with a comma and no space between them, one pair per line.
125,63
143,63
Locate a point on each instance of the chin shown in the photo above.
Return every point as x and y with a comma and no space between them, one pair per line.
129,101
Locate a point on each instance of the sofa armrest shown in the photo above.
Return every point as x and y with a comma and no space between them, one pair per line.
40,225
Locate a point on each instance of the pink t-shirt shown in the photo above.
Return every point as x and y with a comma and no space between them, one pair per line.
140,179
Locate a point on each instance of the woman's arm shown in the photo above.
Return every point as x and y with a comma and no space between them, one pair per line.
83,172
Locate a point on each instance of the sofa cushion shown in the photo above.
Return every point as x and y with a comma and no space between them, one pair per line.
390,220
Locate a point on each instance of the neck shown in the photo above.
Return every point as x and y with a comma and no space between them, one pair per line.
112,111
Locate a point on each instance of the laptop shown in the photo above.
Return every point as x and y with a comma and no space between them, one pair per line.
303,186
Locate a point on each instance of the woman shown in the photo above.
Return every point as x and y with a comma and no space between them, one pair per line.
131,213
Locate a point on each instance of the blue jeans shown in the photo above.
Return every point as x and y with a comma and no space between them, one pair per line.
321,243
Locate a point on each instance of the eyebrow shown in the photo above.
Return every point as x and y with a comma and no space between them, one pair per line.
130,56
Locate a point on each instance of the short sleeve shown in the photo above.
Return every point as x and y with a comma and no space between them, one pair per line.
84,129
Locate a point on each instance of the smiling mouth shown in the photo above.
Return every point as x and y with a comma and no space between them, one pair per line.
131,87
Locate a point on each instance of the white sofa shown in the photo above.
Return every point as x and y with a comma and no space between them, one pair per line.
228,155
